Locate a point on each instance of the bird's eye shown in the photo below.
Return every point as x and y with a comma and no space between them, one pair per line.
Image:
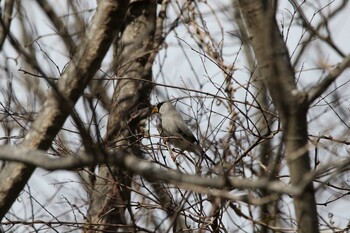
159,105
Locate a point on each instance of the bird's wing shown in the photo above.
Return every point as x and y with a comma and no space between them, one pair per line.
185,132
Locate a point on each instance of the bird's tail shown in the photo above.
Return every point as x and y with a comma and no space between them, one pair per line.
200,152
208,158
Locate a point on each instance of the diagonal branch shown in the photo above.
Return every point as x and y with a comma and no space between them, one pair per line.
317,91
104,27
58,24
314,32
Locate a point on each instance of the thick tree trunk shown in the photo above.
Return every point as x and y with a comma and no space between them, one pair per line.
110,197
277,72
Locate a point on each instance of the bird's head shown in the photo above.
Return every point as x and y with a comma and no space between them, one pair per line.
156,108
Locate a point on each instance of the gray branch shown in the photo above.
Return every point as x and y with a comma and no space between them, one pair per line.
147,169
317,91
103,28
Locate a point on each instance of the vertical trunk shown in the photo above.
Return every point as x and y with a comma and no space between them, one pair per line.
268,212
266,157
110,197
296,138
275,68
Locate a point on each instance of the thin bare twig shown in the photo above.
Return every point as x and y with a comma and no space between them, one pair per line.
317,91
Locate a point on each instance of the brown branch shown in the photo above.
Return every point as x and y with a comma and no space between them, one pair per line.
307,41
74,225
317,91
6,20
105,25
131,52
59,25
314,32
275,67
150,171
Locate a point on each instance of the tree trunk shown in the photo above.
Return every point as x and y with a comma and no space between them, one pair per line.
110,197
277,72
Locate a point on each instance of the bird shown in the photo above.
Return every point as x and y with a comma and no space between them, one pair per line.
175,130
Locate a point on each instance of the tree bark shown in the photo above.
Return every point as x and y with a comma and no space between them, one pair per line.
81,69
112,188
277,72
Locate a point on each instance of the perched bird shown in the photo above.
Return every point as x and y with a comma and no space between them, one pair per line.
173,127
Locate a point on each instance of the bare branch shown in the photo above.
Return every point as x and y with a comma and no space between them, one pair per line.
39,158
59,25
275,135
317,91
6,20
314,32
80,70
147,169
274,65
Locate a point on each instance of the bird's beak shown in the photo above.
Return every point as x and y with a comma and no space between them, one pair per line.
155,109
